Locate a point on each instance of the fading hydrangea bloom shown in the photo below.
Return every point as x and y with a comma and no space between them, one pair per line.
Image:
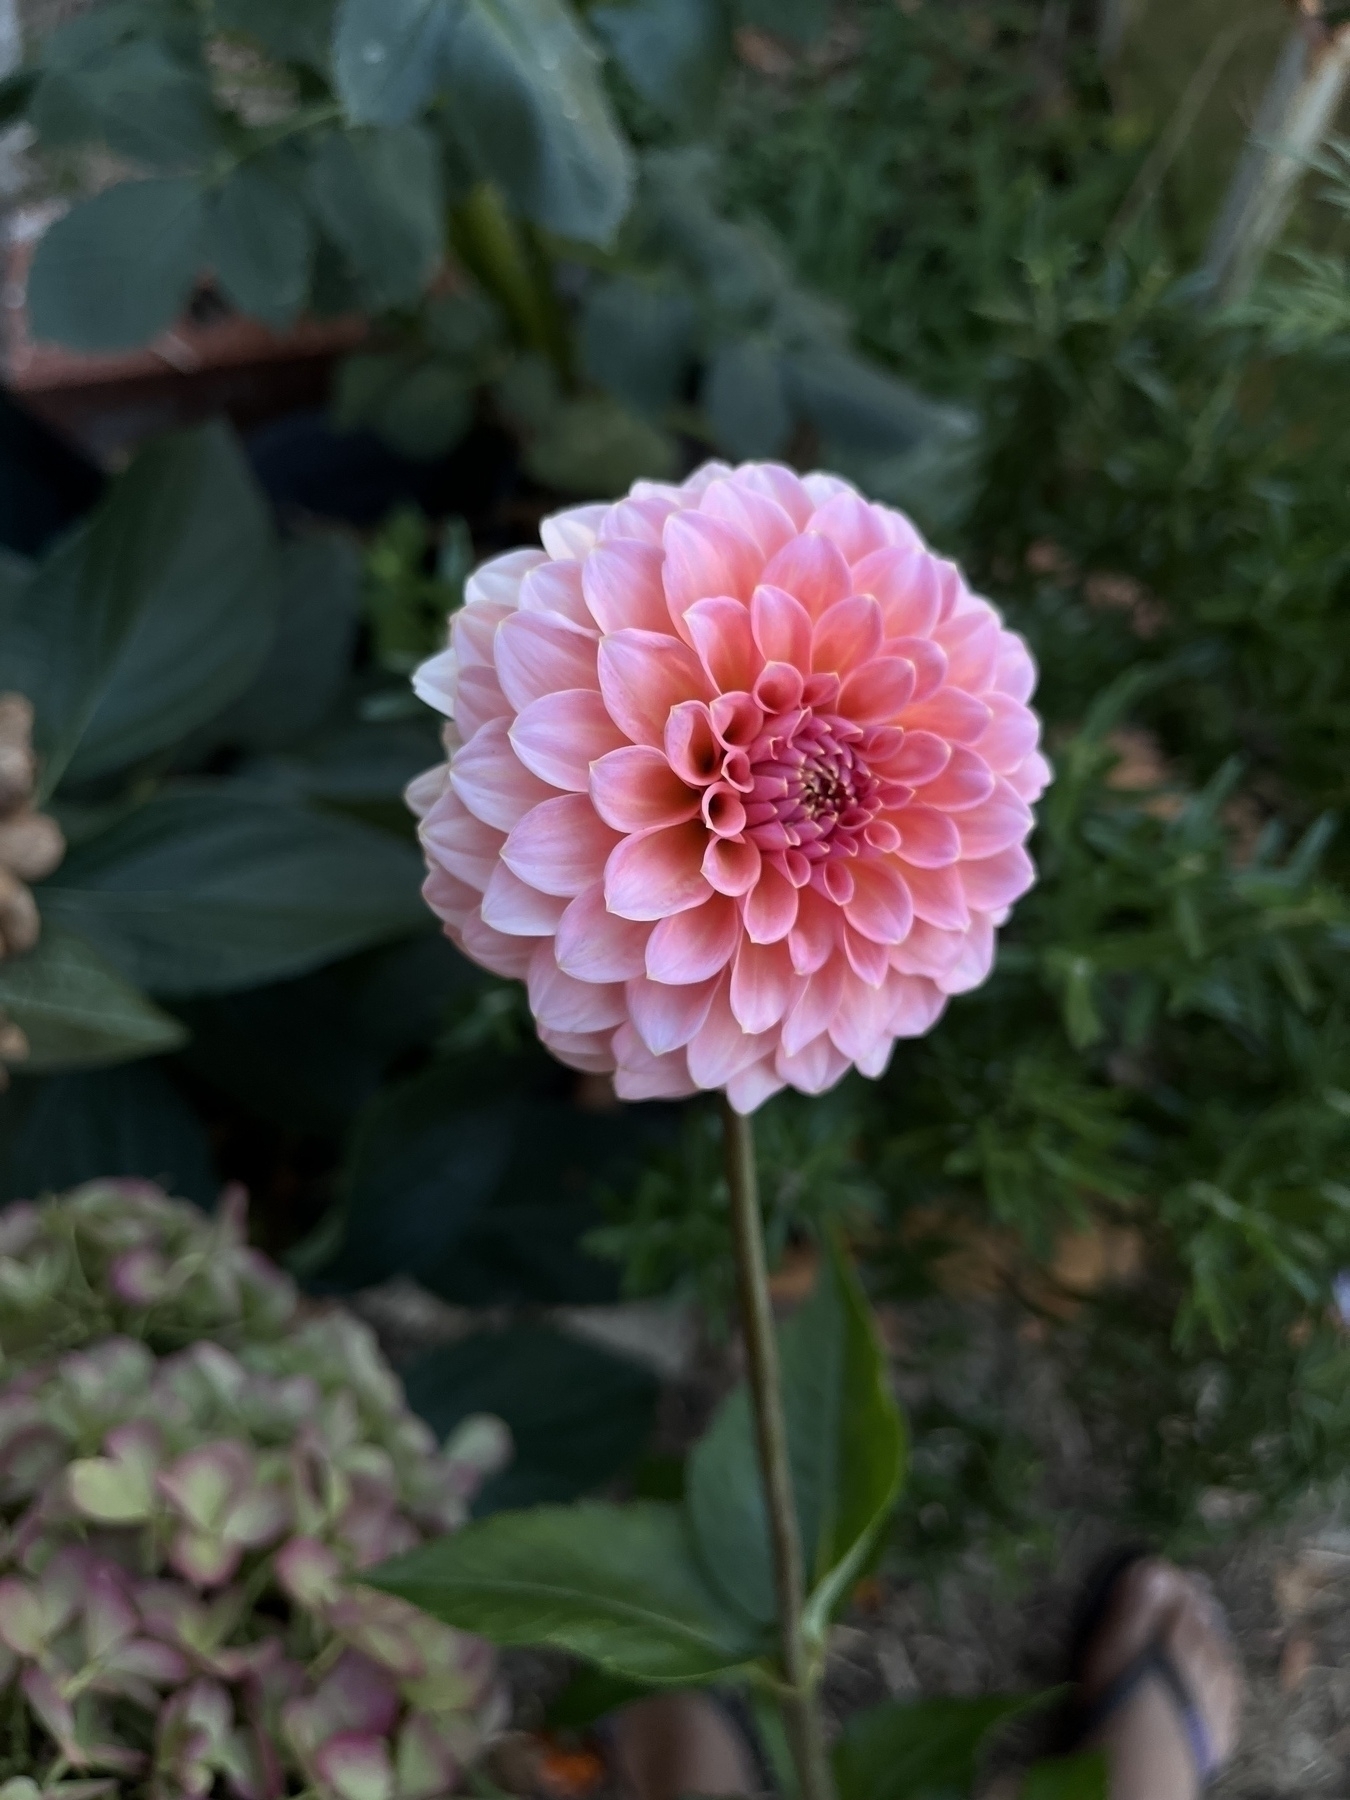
740,776
187,1485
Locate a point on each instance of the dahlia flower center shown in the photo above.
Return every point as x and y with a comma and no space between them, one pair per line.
813,795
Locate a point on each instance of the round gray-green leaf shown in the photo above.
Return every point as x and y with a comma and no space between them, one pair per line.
389,56
261,245
118,269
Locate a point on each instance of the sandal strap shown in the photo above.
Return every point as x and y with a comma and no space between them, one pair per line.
1154,1664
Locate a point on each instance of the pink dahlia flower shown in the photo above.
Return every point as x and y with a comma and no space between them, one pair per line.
739,779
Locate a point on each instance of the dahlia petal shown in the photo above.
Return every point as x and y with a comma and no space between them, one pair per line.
992,882
870,962
833,880
560,735
851,522
816,1002
848,634
459,842
570,534
1012,734
778,688
815,934
782,627
965,782
874,1059
904,582
658,873
473,631
815,1067
694,486
435,680
666,1017
929,660
1016,676
622,584
478,700
782,485
641,520
928,838
564,1004
539,653
971,642
705,557
634,788
719,1049
424,790
451,899
996,824
732,867
770,907
498,580
759,516
693,946
508,957
955,595
919,1004
723,810
555,588
720,632
518,910
972,967
691,744
950,714
921,758
823,486
492,781
928,951
593,944
881,908
588,1051
877,691
761,985
642,1076
561,846
750,1088
862,1016
811,568
642,676
938,895
1031,778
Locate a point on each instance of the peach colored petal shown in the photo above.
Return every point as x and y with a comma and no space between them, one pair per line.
878,691
1030,779
920,758
508,957
811,568
691,744
846,635
622,582
851,523
561,847
589,1051
706,557
642,676
593,945
996,824
492,781
732,867
815,1002
634,788
770,907
517,910
473,631
906,584
666,1016
928,839
641,520
435,682
459,842
862,1017
560,735
814,1068
778,688
971,968
658,873
694,946
1010,737
424,790
642,1076
918,1007
938,895
478,700
719,1049
965,782
555,587
719,630
814,936
782,626
749,1088
1016,676
993,882
451,899
498,580
929,659
881,907
564,1004
870,962
971,643
571,534
782,485
538,653
761,518
761,985
950,714
929,951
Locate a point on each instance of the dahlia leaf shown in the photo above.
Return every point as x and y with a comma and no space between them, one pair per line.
620,1586
76,1011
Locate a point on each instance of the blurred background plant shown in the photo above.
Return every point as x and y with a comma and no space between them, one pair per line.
948,249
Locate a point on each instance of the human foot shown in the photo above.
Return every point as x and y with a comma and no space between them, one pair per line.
680,1744
1159,1684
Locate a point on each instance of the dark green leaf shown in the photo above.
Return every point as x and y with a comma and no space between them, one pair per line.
744,400
133,96
594,446
1069,1778
847,1447
675,52
118,269
526,100
66,1129
200,891
578,1416
294,30
76,1012
260,242
800,19
637,342
195,541
618,1585
389,56
859,407
920,1750
588,1697
379,196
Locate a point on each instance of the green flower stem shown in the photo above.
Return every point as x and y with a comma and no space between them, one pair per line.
801,1712
510,264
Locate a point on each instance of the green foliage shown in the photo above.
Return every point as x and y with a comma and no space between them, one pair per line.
919,1750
